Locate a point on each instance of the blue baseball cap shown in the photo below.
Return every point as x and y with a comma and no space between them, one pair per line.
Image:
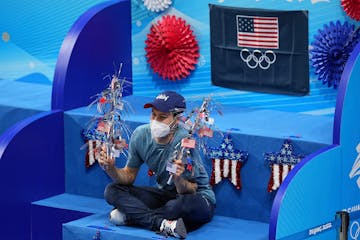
168,101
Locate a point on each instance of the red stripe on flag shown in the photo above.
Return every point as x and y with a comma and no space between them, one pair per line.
264,18
256,38
253,45
266,28
255,35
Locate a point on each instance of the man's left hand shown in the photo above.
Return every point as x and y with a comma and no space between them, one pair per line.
180,168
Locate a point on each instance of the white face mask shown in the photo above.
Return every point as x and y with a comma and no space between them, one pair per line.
159,129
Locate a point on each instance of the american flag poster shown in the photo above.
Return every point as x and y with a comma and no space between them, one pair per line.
257,32
259,50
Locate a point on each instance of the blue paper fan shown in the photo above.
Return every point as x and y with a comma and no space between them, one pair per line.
331,48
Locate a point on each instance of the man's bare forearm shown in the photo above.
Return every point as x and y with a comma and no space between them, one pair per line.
121,175
183,186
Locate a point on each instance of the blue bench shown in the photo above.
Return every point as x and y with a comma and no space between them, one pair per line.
94,218
244,212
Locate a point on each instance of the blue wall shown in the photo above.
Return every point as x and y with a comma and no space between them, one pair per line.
32,35
320,101
35,32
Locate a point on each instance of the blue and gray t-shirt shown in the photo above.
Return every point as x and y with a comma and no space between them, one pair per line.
144,149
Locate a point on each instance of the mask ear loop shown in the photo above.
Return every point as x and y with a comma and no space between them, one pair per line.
176,114
173,126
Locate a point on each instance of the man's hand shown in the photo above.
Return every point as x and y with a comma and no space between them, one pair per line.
125,175
105,161
182,185
180,168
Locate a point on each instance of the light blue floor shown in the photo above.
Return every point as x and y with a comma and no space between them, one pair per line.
231,228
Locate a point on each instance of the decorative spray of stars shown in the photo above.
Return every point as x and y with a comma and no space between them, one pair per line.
108,128
199,126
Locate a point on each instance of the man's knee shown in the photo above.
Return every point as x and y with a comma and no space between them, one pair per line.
178,207
112,190
108,192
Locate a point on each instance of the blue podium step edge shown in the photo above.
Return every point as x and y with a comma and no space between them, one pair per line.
76,203
20,100
25,95
246,121
219,228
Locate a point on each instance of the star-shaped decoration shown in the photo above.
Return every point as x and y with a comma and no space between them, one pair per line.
227,151
226,163
281,163
286,155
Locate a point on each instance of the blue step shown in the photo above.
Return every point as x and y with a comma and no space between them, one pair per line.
255,131
220,228
20,100
68,216
48,215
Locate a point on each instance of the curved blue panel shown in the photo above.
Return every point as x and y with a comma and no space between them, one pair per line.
309,196
32,167
343,88
349,137
98,42
321,184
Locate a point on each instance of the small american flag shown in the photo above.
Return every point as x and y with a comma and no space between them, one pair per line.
257,32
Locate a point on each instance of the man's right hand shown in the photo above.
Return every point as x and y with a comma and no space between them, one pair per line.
105,161
123,175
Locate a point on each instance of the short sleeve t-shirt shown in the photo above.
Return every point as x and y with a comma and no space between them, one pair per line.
144,149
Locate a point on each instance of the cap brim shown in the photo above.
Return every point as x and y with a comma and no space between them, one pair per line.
157,106
148,105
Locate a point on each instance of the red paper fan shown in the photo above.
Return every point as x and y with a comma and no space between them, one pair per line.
352,8
171,48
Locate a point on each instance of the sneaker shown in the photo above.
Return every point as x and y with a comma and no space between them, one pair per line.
117,218
175,228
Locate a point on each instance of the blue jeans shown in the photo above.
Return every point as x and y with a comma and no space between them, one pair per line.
148,206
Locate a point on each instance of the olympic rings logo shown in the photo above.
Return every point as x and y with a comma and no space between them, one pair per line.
257,58
355,230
